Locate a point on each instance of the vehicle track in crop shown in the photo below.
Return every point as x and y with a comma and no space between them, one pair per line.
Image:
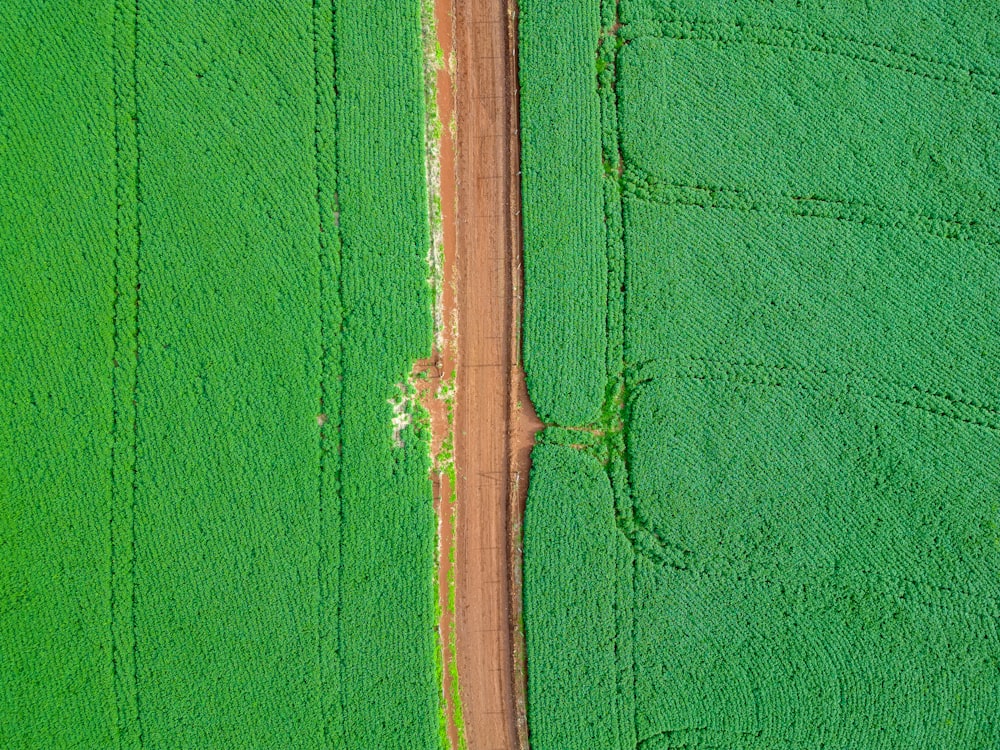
494,422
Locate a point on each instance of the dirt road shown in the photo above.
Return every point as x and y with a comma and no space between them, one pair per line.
492,433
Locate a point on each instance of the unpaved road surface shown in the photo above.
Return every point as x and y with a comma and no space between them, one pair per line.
494,424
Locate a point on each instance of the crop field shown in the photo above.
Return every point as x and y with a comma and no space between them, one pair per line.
242,251
214,238
761,324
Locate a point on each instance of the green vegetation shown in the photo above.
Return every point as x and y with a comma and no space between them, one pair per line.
570,553
800,419
57,413
215,269
387,550
565,265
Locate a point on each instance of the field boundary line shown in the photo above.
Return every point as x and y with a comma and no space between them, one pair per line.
644,186
693,738
322,341
612,426
135,382
335,267
341,652
822,380
325,156
874,53
934,393
124,376
650,544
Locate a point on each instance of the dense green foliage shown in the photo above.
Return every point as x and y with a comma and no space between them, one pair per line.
808,202
214,264
565,265
227,379
829,583
57,234
387,549
569,589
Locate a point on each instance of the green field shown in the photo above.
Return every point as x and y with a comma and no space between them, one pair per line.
214,281
782,529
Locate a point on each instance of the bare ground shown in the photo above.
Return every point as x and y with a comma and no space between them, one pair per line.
494,423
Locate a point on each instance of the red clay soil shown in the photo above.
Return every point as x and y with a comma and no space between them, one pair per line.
494,423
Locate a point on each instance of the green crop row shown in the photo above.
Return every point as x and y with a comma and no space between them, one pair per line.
565,267
570,590
387,539
57,376
578,566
